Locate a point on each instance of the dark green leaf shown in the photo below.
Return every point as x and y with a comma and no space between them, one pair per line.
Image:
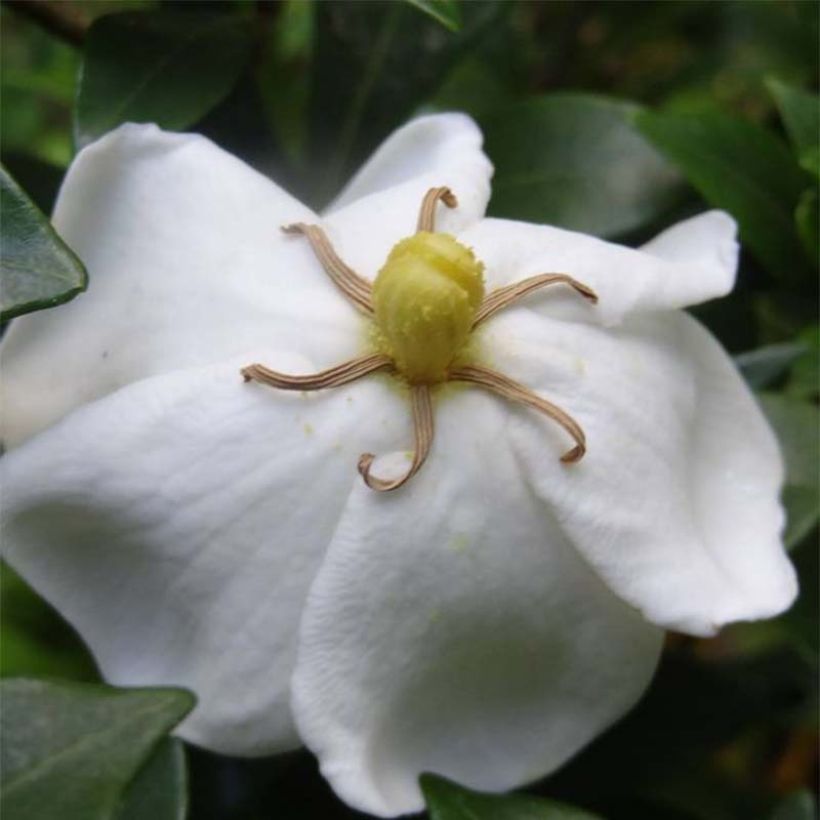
167,67
797,424
803,381
742,168
576,161
806,217
802,513
39,179
797,806
160,789
765,365
34,639
810,161
800,112
448,801
70,750
37,270
445,11
376,62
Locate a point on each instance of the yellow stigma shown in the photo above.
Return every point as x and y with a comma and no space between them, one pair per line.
425,300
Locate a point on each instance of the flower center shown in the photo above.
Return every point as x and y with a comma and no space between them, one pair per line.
425,300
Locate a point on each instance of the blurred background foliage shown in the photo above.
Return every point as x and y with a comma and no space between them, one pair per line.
615,118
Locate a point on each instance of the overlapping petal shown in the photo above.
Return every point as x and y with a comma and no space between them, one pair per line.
187,267
381,204
177,524
676,502
689,263
453,628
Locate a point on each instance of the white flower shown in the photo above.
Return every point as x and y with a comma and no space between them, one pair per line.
484,621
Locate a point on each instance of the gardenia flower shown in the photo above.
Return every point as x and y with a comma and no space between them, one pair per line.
480,608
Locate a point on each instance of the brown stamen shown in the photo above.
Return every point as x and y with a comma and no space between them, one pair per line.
423,428
356,288
512,390
427,213
504,297
334,377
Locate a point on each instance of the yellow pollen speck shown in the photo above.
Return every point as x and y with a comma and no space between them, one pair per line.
459,542
425,300
308,428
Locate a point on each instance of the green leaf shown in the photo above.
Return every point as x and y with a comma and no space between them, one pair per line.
160,789
742,168
810,161
797,806
70,751
167,67
576,161
803,382
797,424
34,640
765,365
800,112
448,801
375,63
37,269
806,217
802,513
445,12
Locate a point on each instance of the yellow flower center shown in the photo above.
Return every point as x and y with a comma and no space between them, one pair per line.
425,300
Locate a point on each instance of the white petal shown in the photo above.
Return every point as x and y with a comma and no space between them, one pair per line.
454,629
676,502
187,266
380,206
689,263
177,524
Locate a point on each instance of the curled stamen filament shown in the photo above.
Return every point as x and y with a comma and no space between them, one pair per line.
427,212
356,288
334,377
423,428
512,390
506,296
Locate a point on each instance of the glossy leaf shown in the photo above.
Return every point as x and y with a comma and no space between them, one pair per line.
803,382
70,751
448,801
160,789
807,217
797,424
167,67
742,168
800,112
797,806
576,161
37,269
765,365
810,161
34,639
376,62
445,11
